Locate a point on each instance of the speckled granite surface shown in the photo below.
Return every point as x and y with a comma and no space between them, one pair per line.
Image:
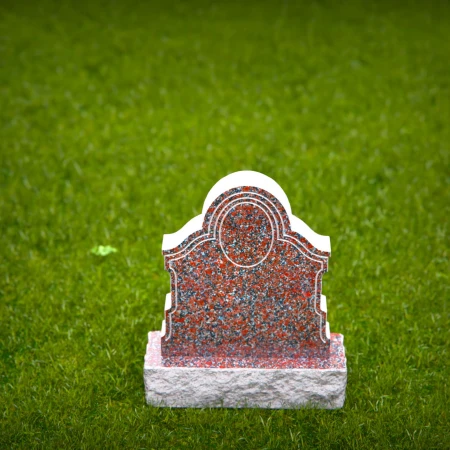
335,359
245,285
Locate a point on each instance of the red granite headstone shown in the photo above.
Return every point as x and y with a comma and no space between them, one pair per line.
246,287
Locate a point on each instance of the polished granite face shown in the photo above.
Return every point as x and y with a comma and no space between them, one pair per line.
335,358
245,286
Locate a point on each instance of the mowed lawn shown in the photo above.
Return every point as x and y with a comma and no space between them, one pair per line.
116,120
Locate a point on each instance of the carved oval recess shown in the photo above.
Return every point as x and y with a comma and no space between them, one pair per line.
246,234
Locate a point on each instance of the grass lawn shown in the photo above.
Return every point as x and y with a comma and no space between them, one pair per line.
116,120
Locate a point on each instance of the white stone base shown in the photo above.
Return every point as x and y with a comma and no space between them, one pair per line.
188,387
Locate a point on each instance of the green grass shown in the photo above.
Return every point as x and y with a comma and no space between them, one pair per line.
117,120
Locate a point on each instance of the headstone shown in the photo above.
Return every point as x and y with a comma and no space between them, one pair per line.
245,320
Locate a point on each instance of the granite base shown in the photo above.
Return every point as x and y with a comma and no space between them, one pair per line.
316,384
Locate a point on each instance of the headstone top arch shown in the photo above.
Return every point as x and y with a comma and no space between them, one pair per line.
247,178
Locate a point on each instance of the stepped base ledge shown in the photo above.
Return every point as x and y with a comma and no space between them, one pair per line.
287,384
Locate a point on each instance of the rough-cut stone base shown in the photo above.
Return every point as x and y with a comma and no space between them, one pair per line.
199,387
